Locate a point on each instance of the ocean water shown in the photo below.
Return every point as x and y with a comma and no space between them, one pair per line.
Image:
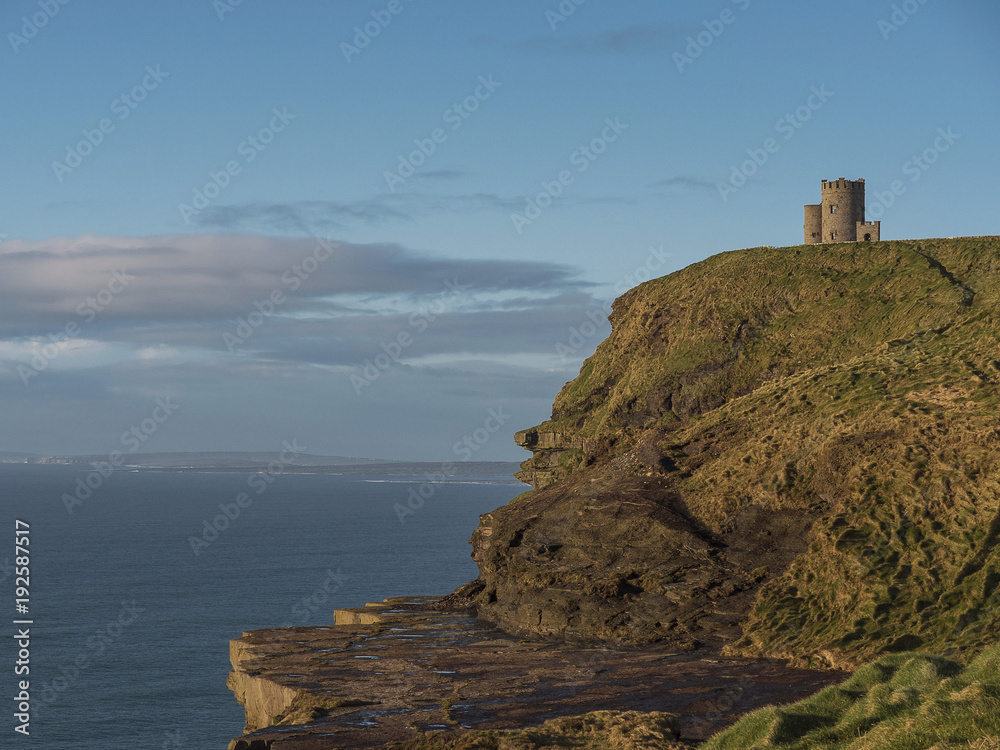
130,636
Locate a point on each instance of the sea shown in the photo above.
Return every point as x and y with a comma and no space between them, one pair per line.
134,596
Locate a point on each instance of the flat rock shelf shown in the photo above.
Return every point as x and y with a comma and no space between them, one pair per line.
392,671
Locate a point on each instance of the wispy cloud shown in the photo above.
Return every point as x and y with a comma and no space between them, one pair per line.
629,40
333,215
305,217
442,174
684,182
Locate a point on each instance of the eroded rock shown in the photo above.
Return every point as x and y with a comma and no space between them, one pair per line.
420,672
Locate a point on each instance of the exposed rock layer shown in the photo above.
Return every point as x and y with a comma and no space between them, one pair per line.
418,672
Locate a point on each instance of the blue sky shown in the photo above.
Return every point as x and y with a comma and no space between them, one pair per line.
461,193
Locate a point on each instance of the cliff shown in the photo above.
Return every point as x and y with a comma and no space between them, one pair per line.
788,451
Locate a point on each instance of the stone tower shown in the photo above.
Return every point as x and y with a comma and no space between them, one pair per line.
841,215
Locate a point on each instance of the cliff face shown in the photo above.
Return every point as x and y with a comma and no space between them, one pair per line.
263,699
791,450
554,454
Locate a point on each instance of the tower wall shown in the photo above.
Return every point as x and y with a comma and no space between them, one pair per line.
842,208
814,224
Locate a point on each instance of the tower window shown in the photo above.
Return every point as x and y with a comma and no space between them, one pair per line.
833,209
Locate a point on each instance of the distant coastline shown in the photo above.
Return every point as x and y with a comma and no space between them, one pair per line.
251,462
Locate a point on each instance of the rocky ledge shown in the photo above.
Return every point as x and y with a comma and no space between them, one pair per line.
405,671
614,555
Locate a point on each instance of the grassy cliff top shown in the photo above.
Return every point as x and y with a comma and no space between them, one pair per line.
686,343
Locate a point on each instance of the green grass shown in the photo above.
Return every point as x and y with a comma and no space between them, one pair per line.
903,701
